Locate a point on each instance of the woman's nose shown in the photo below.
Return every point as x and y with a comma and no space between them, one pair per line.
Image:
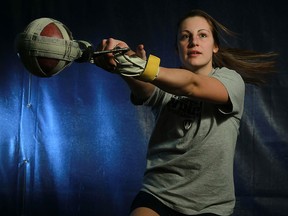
193,42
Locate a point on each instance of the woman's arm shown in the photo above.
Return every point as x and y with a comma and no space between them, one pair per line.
139,89
186,83
181,82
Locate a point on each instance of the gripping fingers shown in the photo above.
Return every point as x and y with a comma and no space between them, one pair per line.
105,61
140,51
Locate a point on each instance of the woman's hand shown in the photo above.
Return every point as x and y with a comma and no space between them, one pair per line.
106,61
140,51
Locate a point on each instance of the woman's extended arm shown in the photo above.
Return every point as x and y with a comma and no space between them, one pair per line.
186,83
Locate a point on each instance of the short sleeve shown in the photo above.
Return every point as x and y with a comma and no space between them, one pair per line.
235,86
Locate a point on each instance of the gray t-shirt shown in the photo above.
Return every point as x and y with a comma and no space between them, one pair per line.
191,150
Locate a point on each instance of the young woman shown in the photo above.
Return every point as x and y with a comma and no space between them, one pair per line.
198,109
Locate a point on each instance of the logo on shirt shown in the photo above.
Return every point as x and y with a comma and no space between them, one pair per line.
185,107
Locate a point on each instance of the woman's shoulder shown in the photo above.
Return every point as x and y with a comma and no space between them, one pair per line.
223,70
226,73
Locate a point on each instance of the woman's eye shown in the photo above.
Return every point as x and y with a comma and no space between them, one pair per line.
203,35
184,37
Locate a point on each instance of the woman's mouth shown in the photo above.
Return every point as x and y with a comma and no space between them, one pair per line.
194,53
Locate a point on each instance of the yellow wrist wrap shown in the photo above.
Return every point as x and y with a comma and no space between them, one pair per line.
151,70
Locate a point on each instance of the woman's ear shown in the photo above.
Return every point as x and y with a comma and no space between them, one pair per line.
215,49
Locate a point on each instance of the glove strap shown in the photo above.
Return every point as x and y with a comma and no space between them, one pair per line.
151,70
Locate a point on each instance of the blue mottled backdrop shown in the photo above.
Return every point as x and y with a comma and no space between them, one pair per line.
73,144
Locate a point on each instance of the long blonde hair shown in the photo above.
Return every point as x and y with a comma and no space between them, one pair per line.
254,67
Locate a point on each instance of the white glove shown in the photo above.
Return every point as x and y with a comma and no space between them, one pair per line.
134,66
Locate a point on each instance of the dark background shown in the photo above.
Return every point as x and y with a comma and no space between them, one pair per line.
74,145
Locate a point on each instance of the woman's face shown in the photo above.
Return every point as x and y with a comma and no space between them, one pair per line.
196,45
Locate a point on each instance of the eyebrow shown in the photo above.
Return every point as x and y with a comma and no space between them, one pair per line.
185,30
204,30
